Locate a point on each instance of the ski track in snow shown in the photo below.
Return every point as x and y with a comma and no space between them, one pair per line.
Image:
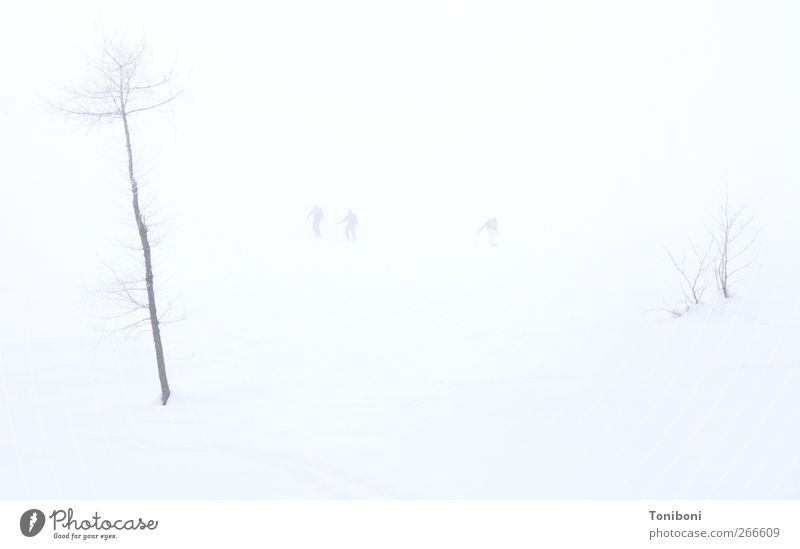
325,478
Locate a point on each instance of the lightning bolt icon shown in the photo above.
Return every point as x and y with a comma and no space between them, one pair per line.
34,519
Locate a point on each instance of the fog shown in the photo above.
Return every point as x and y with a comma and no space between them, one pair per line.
598,134
592,131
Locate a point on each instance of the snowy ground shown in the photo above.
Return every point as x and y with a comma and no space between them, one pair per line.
383,371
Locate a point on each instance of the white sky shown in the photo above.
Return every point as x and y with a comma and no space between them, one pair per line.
569,121
441,99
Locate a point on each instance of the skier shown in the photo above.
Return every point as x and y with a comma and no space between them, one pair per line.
316,216
350,227
491,230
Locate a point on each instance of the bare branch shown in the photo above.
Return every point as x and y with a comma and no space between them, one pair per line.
157,105
674,311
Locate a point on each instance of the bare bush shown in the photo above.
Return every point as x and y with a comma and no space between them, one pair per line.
693,281
732,245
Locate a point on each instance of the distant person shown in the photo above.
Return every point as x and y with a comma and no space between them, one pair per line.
350,221
316,216
491,230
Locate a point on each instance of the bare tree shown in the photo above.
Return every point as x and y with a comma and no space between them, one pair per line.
118,89
728,233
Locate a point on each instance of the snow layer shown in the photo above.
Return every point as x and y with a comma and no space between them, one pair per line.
389,371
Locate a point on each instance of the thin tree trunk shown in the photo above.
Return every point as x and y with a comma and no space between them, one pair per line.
148,268
723,267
